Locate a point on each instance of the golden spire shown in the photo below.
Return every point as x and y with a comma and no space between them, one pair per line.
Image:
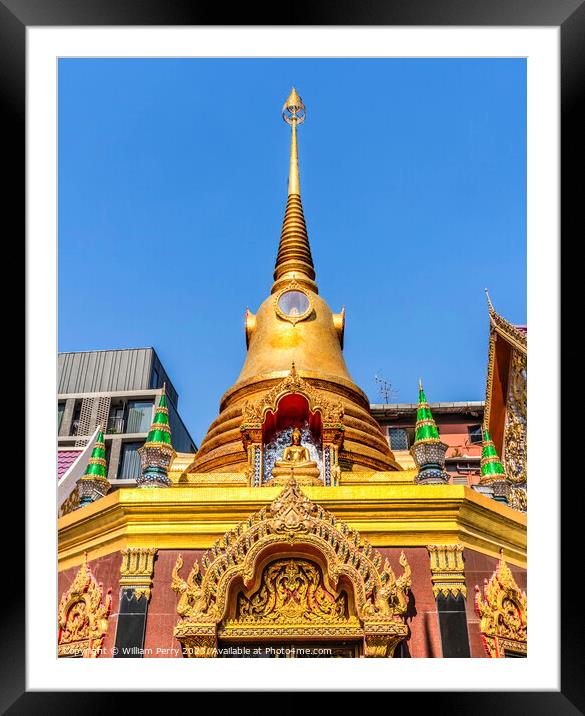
294,113
294,260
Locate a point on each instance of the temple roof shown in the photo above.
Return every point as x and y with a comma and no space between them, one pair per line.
66,458
505,339
516,335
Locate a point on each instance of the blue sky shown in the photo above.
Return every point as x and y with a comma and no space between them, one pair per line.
172,186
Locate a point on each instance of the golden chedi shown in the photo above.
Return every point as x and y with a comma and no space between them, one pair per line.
296,462
294,325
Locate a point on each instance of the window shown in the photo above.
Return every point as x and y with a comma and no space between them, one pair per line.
116,421
139,416
76,418
60,411
475,436
293,303
130,461
398,438
155,383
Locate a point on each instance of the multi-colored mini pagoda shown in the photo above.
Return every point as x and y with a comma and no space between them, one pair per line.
94,483
157,453
428,451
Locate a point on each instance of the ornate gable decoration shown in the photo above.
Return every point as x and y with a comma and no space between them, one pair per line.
513,452
83,618
254,413
379,598
515,433
507,330
502,610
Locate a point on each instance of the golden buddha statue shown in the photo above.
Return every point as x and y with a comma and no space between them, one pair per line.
296,460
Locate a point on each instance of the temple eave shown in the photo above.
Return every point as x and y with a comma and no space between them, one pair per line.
189,517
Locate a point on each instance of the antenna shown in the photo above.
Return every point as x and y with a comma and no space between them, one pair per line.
385,389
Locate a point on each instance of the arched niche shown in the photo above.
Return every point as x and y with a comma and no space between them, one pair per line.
293,402
292,411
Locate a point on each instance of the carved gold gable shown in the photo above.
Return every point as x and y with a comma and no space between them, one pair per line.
83,616
286,573
502,609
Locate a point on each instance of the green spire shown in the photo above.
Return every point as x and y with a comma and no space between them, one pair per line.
157,453
426,429
94,483
97,467
160,430
491,467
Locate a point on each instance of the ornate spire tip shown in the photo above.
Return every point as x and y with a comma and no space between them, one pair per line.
293,110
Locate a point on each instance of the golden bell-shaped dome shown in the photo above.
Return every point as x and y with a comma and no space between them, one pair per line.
294,326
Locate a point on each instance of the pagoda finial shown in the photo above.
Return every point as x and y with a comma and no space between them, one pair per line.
157,453
294,113
294,260
427,450
94,482
491,467
426,428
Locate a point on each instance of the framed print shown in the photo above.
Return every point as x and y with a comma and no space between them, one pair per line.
376,192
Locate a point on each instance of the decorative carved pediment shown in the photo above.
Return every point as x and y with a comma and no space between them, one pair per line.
255,412
502,610
291,522
83,617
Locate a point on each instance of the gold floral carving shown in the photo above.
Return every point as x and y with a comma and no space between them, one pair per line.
447,569
514,453
518,499
254,413
137,569
490,376
83,617
502,610
292,590
71,503
290,529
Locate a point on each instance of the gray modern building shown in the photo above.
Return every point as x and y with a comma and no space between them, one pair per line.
118,390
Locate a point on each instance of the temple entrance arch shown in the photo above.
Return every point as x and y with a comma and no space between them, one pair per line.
291,573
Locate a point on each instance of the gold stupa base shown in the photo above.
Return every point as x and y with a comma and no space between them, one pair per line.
305,475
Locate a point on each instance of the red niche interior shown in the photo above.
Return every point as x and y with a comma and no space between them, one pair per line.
292,411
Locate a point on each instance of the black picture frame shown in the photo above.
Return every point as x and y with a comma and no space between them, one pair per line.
569,15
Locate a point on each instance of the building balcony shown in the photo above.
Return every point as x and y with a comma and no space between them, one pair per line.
116,426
